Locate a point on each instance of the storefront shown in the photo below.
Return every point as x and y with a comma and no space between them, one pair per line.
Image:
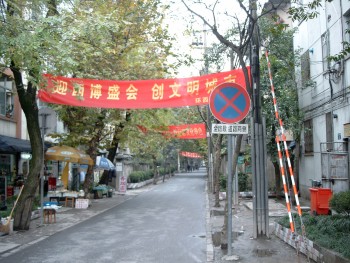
14,165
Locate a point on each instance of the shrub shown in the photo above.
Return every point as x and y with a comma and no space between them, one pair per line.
340,202
242,182
223,183
140,176
331,232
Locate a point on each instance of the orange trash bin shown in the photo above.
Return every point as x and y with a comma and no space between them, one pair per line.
320,200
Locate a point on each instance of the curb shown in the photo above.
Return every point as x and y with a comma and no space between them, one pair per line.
306,246
210,247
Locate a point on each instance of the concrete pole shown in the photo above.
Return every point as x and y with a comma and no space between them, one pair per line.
260,195
43,131
210,166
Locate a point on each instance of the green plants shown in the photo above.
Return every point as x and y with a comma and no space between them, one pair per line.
223,183
330,232
340,202
242,182
140,176
9,204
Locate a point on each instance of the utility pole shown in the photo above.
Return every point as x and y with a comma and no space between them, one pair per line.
210,163
198,42
42,172
260,195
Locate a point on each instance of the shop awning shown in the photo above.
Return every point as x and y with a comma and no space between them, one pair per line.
14,145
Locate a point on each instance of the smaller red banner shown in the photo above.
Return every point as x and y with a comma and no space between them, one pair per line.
190,155
185,131
188,131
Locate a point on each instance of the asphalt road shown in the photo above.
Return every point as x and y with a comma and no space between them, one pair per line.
165,224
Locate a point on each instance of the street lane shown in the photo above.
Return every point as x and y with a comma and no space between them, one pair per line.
165,224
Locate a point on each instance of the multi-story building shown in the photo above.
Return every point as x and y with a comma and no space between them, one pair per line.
324,97
15,149
14,143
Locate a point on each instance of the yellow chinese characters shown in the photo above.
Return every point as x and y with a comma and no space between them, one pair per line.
198,100
60,87
113,92
193,87
175,88
96,91
131,93
230,78
158,92
78,90
210,85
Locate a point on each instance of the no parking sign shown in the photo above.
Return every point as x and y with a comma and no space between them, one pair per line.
229,102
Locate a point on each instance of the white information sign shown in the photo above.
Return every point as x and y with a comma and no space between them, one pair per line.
119,167
223,128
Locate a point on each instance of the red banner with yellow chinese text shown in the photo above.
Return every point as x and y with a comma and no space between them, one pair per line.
135,94
190,155
184,131
187,131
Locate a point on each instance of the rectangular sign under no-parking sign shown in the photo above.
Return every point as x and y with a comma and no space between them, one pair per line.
222,128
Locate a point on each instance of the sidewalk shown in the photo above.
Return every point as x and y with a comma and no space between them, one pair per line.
245,248
65,218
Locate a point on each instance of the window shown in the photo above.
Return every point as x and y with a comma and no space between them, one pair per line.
329,131
325,51
308,136
305,68
347,26
6,98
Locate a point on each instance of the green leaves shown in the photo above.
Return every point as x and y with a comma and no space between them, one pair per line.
281,58
305,12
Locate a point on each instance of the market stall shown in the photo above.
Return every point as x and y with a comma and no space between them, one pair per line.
64,172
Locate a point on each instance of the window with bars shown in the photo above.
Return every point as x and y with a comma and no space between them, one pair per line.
308,136
347,26
6,98
325,51
305,68
329,131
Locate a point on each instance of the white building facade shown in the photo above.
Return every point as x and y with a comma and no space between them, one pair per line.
324,97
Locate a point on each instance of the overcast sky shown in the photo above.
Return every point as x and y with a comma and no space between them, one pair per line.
180,19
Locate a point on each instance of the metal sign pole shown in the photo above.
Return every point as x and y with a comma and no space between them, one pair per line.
229,197
235,181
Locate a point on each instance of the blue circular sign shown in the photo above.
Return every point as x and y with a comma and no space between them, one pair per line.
229,102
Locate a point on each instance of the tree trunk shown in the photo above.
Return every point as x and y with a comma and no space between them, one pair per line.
216,170
155,170
29,106
114,145
92,152
276,165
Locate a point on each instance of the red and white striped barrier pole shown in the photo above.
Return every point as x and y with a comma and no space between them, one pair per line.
284,141
284,184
